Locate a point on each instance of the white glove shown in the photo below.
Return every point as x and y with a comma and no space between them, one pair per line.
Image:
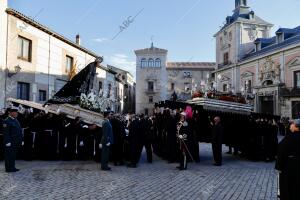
81,144
8,144
65,145
180,137
22,143
108,144
85,126
100,146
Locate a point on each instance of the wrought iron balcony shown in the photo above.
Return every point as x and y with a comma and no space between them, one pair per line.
150,91
225,64
289,92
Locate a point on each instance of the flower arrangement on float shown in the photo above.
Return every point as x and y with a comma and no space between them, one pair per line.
94,102
219,96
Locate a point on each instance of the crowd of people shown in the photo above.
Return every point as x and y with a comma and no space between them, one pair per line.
45,136
172,134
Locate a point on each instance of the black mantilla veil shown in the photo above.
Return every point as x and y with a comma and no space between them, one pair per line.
82,83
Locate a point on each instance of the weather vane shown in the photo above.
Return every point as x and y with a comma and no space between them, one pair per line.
152,38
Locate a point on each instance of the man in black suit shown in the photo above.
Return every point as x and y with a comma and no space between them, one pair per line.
217,139
288,163
106,141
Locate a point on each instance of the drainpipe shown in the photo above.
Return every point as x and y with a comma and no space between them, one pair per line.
49,67
6,64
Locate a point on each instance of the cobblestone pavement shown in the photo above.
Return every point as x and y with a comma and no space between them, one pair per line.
236,179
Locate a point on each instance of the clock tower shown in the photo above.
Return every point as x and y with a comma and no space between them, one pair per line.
235,38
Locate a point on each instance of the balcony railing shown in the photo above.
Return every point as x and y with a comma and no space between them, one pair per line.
150,91
289,92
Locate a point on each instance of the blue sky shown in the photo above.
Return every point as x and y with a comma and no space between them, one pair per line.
184,27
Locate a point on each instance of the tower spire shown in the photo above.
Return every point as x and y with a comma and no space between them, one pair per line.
152,46
240,3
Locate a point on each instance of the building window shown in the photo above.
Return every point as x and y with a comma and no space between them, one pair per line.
100,85
69,64
297,79
150,62
248,86
295,109
150,86
230,36
143,62
23,91
226,58
109,90
225,87
172,86
157,62
25,47
151,99
42,95
187,74
187,87
146,111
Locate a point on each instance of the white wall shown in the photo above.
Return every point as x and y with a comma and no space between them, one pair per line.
47,65
3,31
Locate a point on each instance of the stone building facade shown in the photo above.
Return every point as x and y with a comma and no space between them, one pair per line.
159,80
265,69
127,94
35,61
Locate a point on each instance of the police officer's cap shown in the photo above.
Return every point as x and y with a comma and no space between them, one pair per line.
12,109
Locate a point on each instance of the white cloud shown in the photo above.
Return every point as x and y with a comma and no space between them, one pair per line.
121,61
101,40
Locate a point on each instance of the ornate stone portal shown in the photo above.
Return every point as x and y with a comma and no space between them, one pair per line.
269,73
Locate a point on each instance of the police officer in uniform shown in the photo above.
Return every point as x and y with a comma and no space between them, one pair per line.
13,138
288,163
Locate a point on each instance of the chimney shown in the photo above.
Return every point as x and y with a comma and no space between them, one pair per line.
251,15
78,41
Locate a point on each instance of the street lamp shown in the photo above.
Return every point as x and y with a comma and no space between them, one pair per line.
10,74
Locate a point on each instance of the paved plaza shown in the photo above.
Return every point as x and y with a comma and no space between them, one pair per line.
236,179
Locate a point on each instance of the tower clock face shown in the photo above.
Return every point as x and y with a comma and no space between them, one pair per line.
252,32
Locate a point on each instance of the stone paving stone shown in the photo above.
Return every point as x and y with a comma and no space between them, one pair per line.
236,179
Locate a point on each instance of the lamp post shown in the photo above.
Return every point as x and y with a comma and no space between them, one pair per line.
9,74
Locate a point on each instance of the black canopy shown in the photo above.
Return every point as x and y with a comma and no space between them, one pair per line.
81,83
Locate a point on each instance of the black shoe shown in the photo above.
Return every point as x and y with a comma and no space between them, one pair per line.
180,168
229,152
16,169
106,169
121,163
11,171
